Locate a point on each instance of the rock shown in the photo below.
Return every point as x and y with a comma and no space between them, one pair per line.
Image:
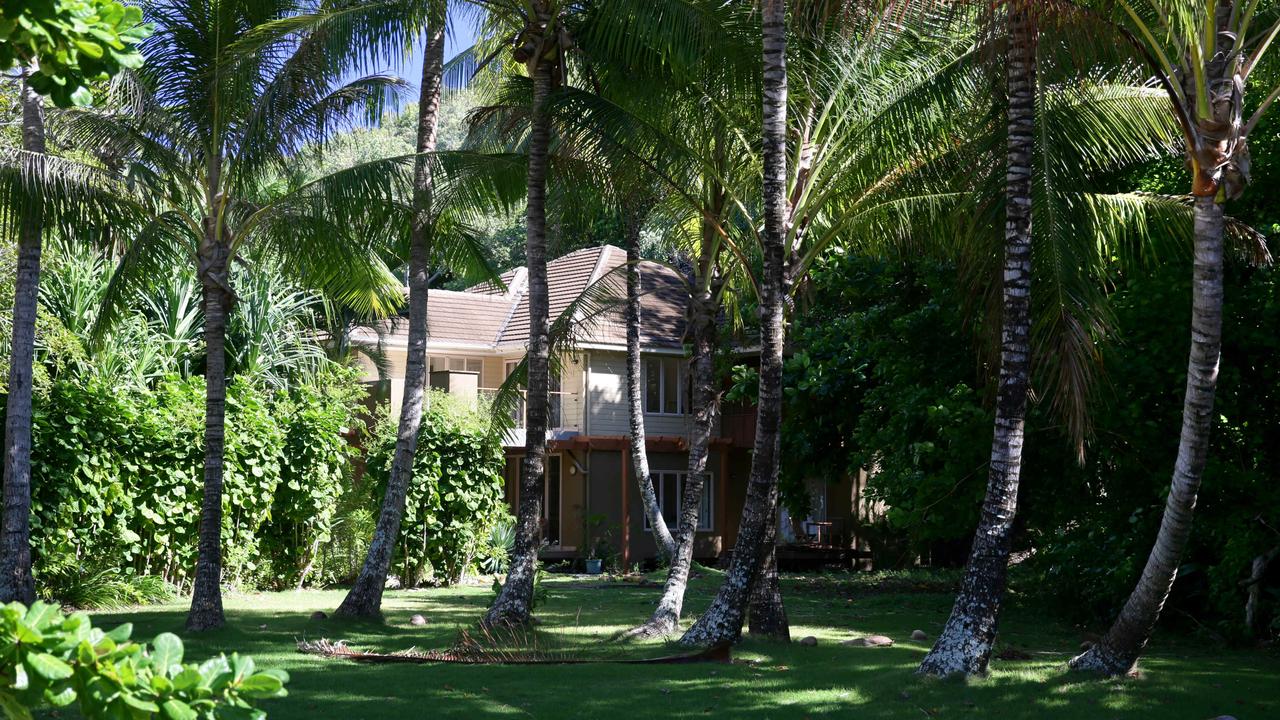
918,635
319,615
417,620
809,641
870,641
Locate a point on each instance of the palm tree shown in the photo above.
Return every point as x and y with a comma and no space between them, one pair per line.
365,596
205,125
40,192
16,582
633,220
723,620
964,646
1202,54
540,43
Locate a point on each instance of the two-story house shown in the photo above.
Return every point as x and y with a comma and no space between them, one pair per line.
478,336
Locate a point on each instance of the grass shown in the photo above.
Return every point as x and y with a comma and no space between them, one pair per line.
1181,678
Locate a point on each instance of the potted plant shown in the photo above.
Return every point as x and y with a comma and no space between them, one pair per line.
596,545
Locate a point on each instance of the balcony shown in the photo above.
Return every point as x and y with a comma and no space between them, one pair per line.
564,416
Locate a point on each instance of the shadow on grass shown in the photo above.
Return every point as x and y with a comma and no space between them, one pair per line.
768,680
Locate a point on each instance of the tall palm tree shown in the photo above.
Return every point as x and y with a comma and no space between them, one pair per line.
964,646
38,193
365,596
204,125
723,620
16,582
540,43
1202,53
633,220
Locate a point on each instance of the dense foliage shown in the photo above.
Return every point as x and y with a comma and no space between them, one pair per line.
887,376
455,502
117,482
47,658
73,42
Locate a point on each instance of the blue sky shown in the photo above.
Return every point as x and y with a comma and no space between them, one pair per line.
462,35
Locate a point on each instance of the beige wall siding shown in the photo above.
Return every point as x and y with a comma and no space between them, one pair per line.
607,401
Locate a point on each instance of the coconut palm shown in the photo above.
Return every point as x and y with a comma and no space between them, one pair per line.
964,646
633,219
204,126
40,196
1202,53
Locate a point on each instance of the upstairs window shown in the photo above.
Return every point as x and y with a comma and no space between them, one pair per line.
455,364
666,386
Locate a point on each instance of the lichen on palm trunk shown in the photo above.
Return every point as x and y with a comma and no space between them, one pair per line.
965,643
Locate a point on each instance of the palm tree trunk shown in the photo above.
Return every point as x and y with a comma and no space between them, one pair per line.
767,615
702,325
16,583
514,603
722,622
964,645
635,394
215,263
364,599
1119,649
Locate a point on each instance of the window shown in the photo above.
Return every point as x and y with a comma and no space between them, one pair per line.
666,386
669,487
455,364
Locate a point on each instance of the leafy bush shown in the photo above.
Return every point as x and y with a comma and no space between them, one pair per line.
117,483
456,496
47,658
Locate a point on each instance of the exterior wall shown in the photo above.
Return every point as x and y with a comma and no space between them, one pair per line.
607,401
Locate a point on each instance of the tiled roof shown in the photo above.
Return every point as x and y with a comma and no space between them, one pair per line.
485,315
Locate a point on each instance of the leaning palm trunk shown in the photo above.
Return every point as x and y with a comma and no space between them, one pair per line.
639,456
666,618
215,278
1119,649
514,603
16,583
722,622
964,646
1217,145
364,599
767,615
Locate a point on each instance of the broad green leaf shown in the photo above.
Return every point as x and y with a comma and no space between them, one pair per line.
48,667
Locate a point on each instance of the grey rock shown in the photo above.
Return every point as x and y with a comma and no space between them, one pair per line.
417,620
918,635
870,641
809,641
393,583
319,615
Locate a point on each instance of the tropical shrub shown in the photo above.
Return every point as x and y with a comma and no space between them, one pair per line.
48,658
456,497
117,482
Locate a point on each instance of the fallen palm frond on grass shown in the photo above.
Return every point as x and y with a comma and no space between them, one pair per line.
512,646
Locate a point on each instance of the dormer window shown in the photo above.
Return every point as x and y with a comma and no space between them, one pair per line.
666,386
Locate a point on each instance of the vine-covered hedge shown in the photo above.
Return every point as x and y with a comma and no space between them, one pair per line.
456,497
117,476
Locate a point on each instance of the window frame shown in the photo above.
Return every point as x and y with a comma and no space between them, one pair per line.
708,489
448,361
682,380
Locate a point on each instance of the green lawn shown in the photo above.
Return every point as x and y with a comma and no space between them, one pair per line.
1180,678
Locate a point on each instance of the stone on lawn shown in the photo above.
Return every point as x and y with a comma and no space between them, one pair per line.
918,635
319,615
809,640
870,641
417,620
